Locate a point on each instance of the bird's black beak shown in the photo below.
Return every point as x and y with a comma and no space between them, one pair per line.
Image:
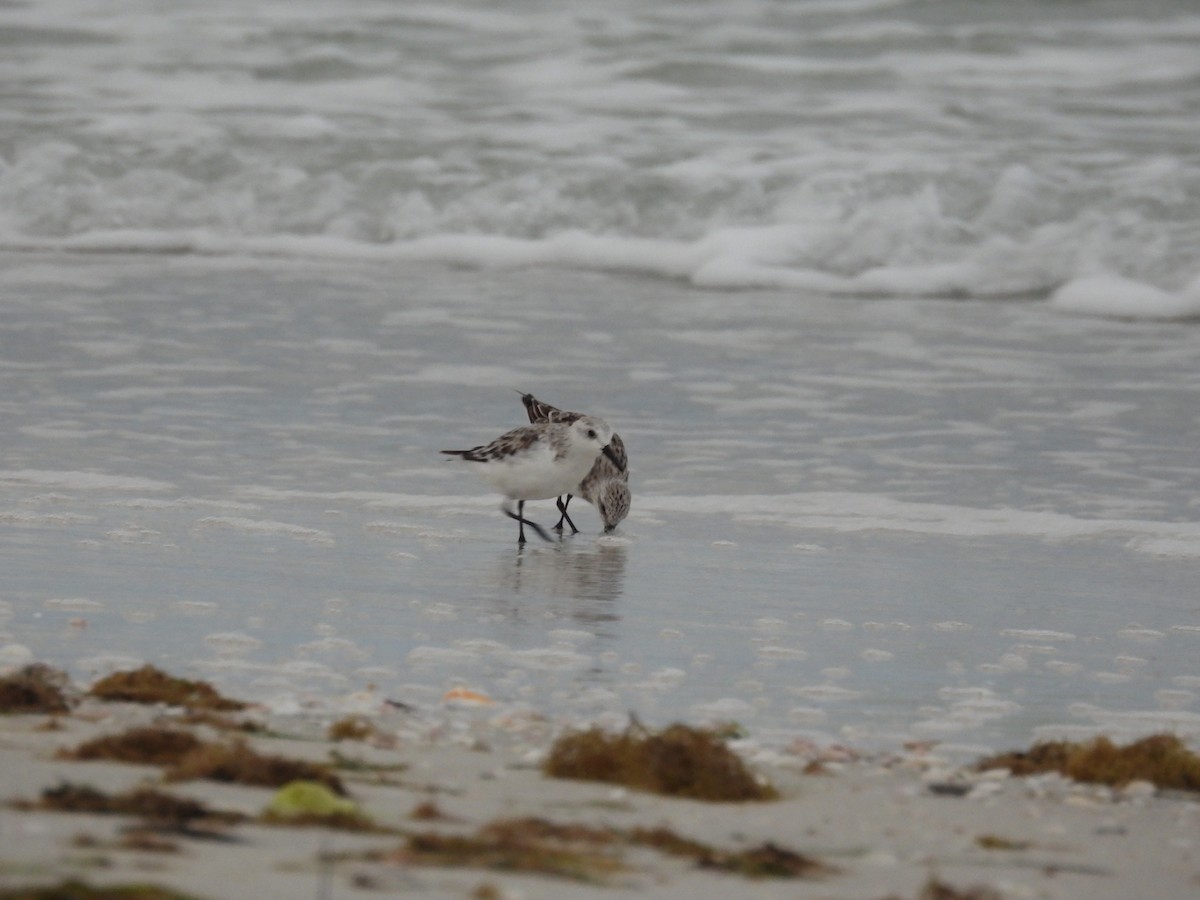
612,457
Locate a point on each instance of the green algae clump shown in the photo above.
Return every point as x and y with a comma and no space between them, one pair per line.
308,803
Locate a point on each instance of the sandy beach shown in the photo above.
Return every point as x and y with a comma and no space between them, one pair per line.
881,826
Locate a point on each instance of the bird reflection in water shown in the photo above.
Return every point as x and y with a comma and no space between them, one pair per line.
592,573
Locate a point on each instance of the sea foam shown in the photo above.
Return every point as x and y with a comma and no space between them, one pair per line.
1118,297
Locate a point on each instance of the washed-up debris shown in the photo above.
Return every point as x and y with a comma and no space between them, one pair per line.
428,811
1161,759
588,853
151,685
935,889
219,722
679,761
308,803
239,763
79,890
354,728
767,860
155,807
35,688
148,745
190,758
503,848
997,842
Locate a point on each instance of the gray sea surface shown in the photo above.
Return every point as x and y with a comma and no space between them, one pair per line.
895,304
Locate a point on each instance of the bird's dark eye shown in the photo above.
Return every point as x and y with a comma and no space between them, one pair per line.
591,432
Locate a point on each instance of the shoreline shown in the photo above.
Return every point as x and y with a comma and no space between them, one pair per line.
880,826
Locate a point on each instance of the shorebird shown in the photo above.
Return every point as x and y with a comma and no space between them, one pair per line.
606,486
539,461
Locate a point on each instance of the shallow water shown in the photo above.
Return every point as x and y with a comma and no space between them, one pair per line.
893,302
853,520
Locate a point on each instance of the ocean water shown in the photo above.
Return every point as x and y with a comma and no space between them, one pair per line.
895,305
873,147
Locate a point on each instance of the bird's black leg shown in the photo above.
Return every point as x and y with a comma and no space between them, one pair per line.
519,515
562,508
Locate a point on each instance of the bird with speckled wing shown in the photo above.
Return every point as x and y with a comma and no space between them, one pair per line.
606,485
540,461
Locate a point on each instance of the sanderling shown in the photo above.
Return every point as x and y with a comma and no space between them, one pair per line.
540,461
606,486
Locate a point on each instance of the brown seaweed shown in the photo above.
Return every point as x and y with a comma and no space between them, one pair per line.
1162,759
151,685
36,688
239,763
187,758
679,761
767,860
78,890
507,851
149,745
589,853
352,728
156,807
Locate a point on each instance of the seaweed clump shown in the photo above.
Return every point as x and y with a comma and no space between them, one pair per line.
354,728
427,811
159,808
767,860
187,757
149,745
219,722
1160,758
239,763
679,761
934,889
79,890
151,685
36,688
589,853
576,853
996,842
